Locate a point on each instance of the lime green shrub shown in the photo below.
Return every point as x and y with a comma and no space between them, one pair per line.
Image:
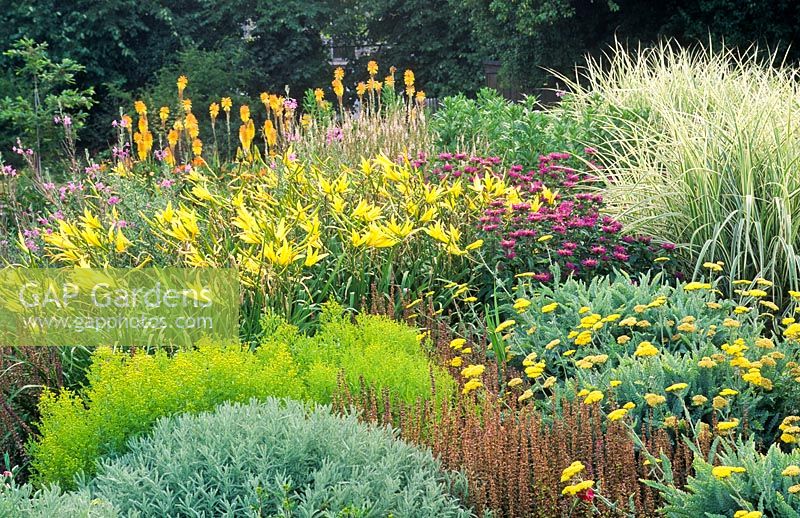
126,394
376,350
276,458
767,483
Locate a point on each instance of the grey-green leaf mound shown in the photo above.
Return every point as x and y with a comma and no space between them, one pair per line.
276,458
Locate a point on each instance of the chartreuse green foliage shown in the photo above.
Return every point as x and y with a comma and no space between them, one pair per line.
276,458
766,482
383,353
126,394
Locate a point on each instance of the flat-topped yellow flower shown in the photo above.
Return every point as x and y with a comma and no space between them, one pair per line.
572,470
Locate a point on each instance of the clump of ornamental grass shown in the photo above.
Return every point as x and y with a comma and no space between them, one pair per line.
701,146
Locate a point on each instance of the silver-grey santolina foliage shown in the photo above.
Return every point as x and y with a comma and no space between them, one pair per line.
276,458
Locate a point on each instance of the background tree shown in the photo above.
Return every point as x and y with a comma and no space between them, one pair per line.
40,99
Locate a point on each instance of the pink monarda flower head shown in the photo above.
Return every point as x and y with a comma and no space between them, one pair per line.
590,263
668,246
543,277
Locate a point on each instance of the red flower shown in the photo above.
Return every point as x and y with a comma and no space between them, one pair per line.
587,496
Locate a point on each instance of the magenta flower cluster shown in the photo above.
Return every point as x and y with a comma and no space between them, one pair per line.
557,220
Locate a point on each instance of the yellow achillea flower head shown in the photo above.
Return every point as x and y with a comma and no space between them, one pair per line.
549,308
791,471
504,325
724,426
457,343
473,371
726,471
471,385
594,396
719,402
520,305
574,489
677,387
646,349
572,470
653,400
617,414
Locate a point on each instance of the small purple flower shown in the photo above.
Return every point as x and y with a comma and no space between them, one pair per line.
114,200
290,103
334,134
